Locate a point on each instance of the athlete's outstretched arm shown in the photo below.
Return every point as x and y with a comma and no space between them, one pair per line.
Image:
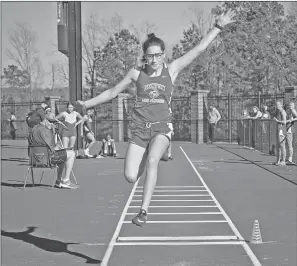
112,92
177,65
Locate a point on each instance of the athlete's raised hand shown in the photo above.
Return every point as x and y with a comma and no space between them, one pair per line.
226,18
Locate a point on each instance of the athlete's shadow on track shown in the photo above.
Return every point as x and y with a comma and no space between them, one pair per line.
46,244
23,160
13,147
237,161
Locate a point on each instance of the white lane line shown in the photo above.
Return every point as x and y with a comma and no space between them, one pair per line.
177,213
176,238
176,200
118,228
187,195
177,243
246,247
181,222
173,186
213,206
176,190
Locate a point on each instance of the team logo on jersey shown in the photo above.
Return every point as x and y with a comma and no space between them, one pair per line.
154,94
154,86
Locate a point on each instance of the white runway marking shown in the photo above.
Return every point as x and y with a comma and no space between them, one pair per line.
174,200
212,206
246,247
181,222
173,186
186,195
175,238
178,213
118,229
175,190
236,239
177,243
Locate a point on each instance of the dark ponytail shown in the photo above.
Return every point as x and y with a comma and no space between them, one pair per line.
151,41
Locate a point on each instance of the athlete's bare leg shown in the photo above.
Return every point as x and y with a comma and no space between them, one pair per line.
135,161
169,149
65,141
157,148
72,140
91,140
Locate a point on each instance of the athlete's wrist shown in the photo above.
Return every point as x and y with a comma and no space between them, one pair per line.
218,26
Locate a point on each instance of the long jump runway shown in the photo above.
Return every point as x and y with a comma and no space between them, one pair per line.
186,226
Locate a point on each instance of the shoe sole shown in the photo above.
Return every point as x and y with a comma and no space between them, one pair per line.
137,224
68,186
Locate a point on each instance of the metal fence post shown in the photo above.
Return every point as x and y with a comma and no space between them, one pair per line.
259,99
229,118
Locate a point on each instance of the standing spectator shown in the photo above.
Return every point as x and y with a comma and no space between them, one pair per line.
213,118
281,132
13,126
292,117
265,116
72,120
256,113
87,133
265,113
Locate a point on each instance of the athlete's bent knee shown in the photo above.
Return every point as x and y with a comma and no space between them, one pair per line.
152,161
130,177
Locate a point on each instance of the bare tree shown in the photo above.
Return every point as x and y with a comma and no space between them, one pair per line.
293,9
22,40
199,18
141,32
109,27
95,35
62,71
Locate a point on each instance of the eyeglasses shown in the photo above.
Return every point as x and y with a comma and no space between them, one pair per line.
151,56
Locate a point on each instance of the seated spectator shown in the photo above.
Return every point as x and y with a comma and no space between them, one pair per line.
43,134
265,113
256,113
108,147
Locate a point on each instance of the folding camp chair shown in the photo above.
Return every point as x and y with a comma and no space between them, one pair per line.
39,157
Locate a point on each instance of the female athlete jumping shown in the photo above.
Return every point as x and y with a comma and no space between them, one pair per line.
151,115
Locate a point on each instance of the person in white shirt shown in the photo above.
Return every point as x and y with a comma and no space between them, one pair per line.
213,118
72,120
13,126
292,117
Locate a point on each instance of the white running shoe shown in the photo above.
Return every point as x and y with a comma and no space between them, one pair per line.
87,152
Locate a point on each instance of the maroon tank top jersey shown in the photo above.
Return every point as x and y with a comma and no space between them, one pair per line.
153,98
